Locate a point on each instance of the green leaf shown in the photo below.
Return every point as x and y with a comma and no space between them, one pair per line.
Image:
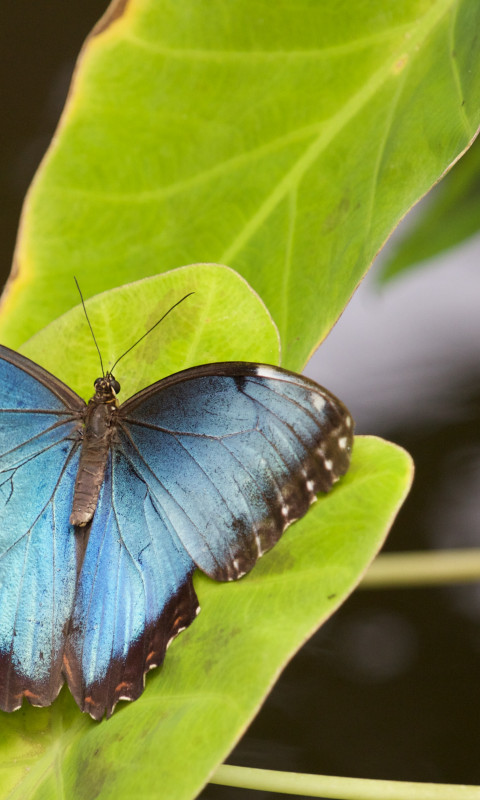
277,136
217,673
284,139
224,320
449,217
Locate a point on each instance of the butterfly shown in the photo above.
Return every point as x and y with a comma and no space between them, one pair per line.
106,510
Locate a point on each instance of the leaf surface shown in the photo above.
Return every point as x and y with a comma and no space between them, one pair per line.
285,140
224,320
448,217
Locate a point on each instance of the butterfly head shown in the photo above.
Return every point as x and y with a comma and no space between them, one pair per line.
106,389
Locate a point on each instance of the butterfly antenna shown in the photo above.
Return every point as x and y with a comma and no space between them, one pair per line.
151,329
90,325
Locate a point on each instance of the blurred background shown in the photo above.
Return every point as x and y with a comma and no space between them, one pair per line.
389,687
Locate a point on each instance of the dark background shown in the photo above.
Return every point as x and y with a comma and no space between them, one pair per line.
389,687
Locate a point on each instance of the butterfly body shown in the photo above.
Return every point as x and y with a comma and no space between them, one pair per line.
99,427
106,510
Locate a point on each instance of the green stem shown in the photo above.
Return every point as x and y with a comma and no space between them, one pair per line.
329,786
390,570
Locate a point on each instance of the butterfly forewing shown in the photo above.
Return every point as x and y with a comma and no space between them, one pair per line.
233,453
40,422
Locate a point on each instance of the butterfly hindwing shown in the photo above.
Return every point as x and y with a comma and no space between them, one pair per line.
39,426
134,593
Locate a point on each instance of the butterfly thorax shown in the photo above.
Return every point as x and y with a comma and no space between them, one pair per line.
98,430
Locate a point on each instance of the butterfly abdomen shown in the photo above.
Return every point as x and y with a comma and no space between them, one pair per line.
93,460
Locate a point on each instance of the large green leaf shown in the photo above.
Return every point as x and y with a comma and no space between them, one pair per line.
285,139
278,135
216,673
450,216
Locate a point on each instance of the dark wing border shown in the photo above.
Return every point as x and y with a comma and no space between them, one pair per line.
229,369
71,400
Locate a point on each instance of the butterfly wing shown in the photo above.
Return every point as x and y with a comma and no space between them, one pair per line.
134,593
234,453
208,468
40,419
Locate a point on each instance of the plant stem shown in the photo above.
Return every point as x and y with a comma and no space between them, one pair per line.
329,786
390,570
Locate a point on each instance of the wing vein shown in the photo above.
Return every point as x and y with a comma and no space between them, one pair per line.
19,592
32,439
29,530
174,500
290,400
172,432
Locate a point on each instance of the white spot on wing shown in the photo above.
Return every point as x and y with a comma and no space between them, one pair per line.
348,422
342,442
328,464
264,371
310,486
318,401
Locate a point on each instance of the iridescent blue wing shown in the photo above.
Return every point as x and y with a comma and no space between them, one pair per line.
209,467
40,420
134,593
234,453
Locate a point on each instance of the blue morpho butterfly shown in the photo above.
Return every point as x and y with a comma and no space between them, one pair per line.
106,510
